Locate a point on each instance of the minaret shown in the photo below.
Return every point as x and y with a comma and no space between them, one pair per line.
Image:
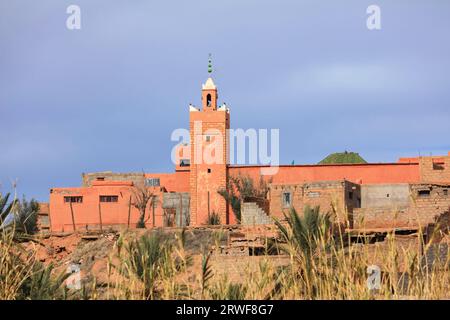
209,91
209,155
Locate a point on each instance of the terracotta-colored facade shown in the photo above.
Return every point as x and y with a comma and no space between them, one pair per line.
209,156
105,199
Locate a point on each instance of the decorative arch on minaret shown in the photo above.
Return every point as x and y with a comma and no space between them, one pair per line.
209,95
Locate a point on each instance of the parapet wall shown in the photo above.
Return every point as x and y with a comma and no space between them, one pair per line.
435,169
89,178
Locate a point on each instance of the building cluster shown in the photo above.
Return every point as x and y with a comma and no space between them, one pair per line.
406,194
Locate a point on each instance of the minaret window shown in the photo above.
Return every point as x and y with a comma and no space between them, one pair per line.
208,100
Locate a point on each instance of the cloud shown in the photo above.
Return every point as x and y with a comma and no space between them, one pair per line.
36,151
90,100
352,78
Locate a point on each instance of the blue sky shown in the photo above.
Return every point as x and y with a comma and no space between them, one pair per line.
108,96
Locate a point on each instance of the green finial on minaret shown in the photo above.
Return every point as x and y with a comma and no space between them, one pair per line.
209,64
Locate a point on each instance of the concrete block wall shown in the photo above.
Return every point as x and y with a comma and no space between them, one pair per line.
180,203
252,214
385,195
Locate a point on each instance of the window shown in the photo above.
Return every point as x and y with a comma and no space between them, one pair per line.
73,199
287,201
208,138
43,219
423,193
109,198
350,195
100,178
185,162
438,166
387,195
445,191
152,182
209,170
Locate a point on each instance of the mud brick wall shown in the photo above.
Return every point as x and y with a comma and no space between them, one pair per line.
43,217
435,169
381,218
427,207
237,268
343,195
427,203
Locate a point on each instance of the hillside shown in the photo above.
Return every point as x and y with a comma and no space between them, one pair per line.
343,157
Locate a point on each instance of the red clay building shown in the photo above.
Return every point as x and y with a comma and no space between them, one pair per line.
188,195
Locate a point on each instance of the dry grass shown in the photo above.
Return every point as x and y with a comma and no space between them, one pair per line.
334,268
